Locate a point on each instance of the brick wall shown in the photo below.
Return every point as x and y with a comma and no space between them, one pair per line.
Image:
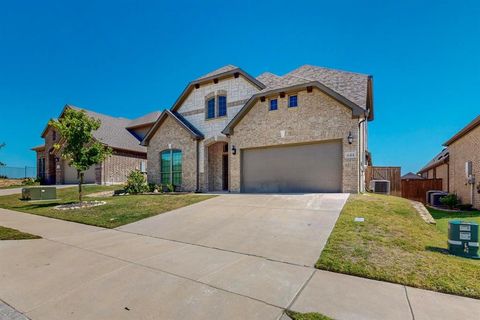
116,168
465,149
171,133
318,117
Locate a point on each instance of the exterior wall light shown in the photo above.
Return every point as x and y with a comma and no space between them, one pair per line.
350,138
234,150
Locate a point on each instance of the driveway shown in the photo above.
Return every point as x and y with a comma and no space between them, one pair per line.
225,258
284,228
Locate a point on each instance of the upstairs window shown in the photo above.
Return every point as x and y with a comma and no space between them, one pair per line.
222,106
273,104
211,108
292,101
54,135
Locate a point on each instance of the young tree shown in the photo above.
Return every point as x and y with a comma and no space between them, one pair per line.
77,144
1,146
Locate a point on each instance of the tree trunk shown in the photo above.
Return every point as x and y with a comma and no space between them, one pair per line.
80,182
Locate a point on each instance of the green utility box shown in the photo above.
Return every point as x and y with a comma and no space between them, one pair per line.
463,239
39,193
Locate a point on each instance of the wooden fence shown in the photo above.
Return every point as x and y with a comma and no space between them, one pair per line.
391,174
417,189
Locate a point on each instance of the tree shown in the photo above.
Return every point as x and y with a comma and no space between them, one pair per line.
77,144
1,163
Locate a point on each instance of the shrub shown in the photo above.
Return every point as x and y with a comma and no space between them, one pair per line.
136,183
152,187
451,200
170,187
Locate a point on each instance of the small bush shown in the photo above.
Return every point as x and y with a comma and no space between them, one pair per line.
152,187
451,200
136,183
170,187
29,182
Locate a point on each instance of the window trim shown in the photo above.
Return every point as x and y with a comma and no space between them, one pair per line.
207,107
171,171
270,104
226,105
296,101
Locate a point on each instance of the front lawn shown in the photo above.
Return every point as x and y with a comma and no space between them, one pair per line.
118,211
442,218
394,244
14,234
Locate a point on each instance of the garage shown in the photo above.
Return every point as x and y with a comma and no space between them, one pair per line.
71,175
305,168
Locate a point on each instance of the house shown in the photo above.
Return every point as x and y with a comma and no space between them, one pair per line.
438,168
464,163
121,134
305,131
412,176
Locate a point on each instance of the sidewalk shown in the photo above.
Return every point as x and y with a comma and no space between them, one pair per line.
82,271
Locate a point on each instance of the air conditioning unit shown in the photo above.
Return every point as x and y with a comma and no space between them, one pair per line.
380,186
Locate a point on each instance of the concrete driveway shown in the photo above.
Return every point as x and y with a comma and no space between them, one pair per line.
284,228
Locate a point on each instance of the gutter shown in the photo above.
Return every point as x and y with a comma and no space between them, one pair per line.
360,155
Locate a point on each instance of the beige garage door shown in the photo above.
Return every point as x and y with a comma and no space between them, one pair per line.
293,169
71,175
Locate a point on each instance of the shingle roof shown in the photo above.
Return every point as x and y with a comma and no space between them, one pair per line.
411,176
146,119
439,159
269,79
469,127
352,86
113,132
221,70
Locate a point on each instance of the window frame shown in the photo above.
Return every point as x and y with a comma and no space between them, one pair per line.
270,104
218,99
207,108
290,105
174,177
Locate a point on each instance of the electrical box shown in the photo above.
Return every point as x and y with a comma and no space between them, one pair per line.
39,193
463,239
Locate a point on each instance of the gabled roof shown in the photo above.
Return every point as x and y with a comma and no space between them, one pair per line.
438,160
411,176
38,148
112,132
147,119
194,132
472,125
221,73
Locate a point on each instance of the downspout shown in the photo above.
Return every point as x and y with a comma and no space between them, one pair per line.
360,155
197,188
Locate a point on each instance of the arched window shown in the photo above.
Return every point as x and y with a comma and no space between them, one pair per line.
171,167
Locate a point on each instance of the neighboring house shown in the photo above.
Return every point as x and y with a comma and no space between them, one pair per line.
122,135
438,168
412,176
464,148
305,131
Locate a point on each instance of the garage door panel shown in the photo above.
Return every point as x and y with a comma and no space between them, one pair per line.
298,168
72,178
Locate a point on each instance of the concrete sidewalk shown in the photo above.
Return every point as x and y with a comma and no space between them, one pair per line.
83,272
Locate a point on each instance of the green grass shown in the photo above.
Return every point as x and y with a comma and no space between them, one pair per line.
13,234
442,218
118,211
394,244
307,316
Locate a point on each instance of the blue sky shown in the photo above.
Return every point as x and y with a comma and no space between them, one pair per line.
128,58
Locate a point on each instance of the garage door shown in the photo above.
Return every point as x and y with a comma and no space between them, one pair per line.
293,169
71,175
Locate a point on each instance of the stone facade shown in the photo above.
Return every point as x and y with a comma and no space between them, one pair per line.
170,135
317,118
462,150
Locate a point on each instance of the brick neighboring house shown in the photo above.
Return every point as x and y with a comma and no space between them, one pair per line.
121,134
462,150
305,131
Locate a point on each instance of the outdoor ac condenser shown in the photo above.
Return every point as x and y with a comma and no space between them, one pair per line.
380,186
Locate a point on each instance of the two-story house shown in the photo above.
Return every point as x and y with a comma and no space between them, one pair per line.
305,131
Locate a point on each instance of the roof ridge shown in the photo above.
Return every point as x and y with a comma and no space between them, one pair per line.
330,69
98,113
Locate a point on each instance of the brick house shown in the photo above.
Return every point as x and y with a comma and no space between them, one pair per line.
121,134
460,157
305,131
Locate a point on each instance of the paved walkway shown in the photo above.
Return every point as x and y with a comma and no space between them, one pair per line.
83,272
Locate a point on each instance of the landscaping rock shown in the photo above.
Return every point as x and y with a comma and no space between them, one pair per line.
80,205
423,212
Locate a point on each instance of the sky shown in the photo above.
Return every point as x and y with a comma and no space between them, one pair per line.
128,58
